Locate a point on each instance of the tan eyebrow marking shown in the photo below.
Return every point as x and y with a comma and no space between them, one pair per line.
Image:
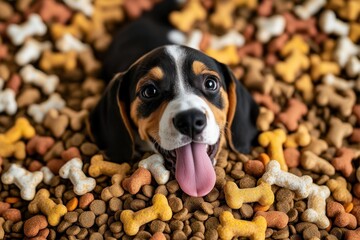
200,68
155,73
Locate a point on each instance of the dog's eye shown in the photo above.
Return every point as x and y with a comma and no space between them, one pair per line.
211,83
149,91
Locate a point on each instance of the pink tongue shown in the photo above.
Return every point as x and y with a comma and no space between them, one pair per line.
194,171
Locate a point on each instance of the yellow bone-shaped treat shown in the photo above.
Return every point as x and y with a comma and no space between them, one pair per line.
98,167
43,203
274,140
159,210
235,197
21,129
16,149
231,227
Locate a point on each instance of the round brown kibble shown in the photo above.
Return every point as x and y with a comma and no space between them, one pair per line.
175,204
87,219
89,149
293,215
137,204
102,219
115,204
212,195
212,223
200,215
247,182
198,226
281,234
73,230
207,208
71,217
246,211
157,226
211,234
284,194
310,232
96,236
85,200
98,207
176,225
161,189
181,215
172,186
148,190
115,227
179,235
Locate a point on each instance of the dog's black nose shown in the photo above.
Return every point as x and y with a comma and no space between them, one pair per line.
190,122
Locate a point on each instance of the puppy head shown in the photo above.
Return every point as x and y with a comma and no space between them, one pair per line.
182,104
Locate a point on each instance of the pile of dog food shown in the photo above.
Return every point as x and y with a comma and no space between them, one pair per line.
299,59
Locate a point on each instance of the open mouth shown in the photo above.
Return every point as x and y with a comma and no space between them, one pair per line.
192,165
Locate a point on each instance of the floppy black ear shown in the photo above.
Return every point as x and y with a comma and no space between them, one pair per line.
110,123
242,115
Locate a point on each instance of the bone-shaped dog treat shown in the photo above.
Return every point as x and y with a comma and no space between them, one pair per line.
21,129
338,187
274,141
327,95
265,118
76,118
309,8
354,31
56,122
26,181
44,204
70,43
331,25
39,144
193,40
38,111
73,170
138,179
16,149
222,16
274,219
100,167
85,6
349,10
343,161
191,13
230,227
159,210
353,67
230,38
338,83
115,190
313,162
301,138
155,164
227,55
294,112
294,25
34,26
320,68
254,49
48,175
274,175
51,60
345,49
338,131
316,211
47,83
89,62
267,101
269,27
31,51
342,218
235,197
8,102
28,97
51,10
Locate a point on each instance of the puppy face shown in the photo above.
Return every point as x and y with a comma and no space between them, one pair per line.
177,81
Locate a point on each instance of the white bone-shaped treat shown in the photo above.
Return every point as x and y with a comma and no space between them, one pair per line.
38,111
269,27
155,164
194,39
48,175
73,170
25,180
229,39
309,8
338,83
84,6
70,43
8,102
331,25
316,211
176,37
47,83
34,26
31,51
353,67
274,175
344,50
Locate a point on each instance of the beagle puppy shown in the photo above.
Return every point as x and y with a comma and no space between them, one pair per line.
180,103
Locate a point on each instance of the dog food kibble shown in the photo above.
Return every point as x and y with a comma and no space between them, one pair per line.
300,62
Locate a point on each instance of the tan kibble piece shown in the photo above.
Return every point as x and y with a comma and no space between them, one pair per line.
338,131
313,162
87,219
317,146
56,122
98,207
115,190
305,86
76,118
265,118
338,187
28,97
300,138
